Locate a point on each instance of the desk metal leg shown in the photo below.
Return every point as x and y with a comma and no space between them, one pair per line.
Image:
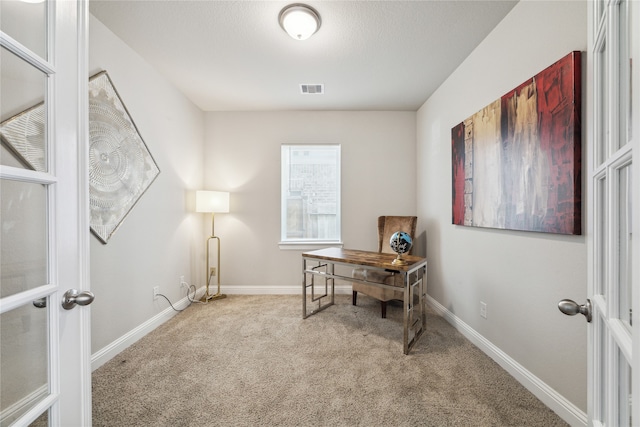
304,288
317,296
406,313
415,316
328,282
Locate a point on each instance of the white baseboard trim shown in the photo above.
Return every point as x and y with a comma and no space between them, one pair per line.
107,353
561,406
276,290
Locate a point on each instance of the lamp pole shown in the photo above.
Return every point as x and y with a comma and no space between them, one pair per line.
210,272
212,201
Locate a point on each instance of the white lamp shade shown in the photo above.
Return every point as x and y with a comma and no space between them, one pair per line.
299,21
212,201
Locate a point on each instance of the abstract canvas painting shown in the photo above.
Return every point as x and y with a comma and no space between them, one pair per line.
516,163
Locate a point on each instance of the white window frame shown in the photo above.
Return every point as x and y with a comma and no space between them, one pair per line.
306,243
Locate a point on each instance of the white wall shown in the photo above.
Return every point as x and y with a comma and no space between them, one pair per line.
521,276
242,155
160,239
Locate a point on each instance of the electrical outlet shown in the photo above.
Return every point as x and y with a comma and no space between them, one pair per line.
212,271
483,310
182,281
156,291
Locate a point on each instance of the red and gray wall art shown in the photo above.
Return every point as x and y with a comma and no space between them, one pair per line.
516,163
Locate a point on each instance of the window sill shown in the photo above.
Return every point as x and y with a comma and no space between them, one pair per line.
306,246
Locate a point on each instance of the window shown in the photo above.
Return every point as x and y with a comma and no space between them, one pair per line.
310,210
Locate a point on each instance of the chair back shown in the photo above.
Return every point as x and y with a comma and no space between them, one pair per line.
387,225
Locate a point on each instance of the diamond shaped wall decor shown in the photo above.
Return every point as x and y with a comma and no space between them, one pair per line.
121,168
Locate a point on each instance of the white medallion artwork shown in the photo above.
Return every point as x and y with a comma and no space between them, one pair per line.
121,167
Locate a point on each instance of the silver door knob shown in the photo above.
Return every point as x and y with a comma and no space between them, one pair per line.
571,308
74,296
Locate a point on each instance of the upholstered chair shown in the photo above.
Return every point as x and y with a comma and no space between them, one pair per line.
387,225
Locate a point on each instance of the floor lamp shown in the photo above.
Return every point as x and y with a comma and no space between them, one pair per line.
213,202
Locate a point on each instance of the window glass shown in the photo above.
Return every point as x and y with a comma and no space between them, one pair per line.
602,378
624,244
602,105
600,6
26,22
310,193
22,114
600,232
625,408
23,237
24,355
624,78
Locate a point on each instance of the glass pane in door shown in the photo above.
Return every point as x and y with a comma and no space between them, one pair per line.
22,113
23,236
625,216
602,105
625,70
23,361
41,421
26,22
624,392
599,6
600,374
600,232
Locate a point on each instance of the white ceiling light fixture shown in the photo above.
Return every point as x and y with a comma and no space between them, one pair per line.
299,20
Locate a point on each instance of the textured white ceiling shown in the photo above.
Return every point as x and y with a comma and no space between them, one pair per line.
370,55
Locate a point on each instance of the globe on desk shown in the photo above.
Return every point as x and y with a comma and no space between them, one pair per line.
400,243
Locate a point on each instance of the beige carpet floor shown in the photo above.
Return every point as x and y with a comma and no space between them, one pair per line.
253,361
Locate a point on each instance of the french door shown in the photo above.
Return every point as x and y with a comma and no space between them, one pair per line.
614,199
44,348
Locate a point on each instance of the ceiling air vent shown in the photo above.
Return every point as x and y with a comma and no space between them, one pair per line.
311,89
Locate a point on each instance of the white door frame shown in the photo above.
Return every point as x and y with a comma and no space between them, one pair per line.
610,340
635,53
73,143
68,397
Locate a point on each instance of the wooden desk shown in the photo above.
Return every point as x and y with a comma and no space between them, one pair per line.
320,265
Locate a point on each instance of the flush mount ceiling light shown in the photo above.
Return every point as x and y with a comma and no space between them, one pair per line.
299,21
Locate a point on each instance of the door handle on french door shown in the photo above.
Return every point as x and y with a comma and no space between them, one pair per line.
571,308
74,296
40,302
